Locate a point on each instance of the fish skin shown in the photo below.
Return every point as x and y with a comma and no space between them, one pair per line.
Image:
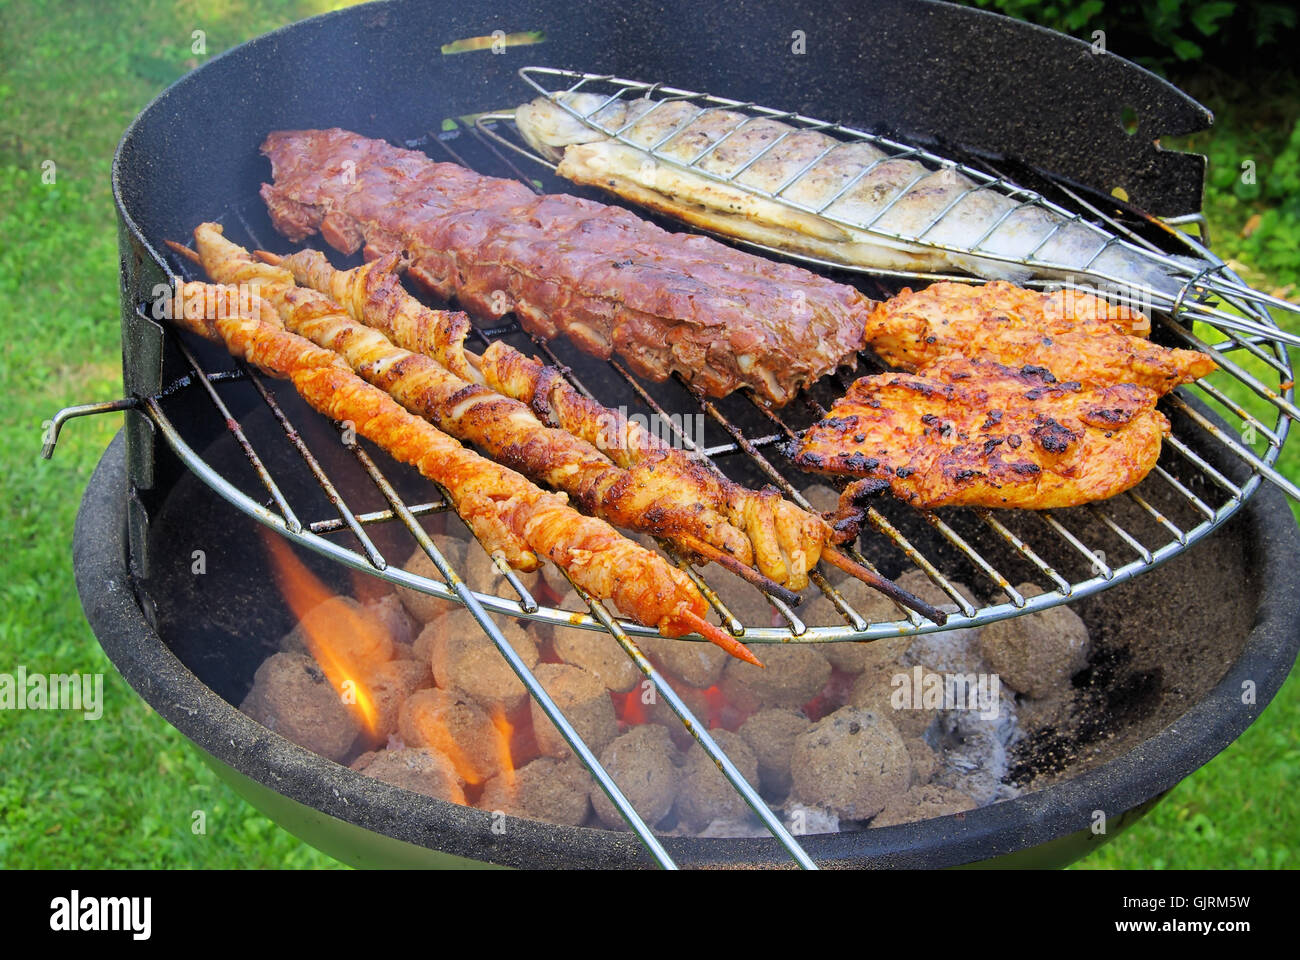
726,143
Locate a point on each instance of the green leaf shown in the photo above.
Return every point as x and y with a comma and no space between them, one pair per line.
1207,16
1186,49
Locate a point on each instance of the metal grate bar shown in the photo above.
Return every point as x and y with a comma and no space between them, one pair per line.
1158,515
698,731
378,516
1238,449
844,608
975,556
1124,535
1178,485
1281,401
331,492
1050,519
290,519
1241,412
1020,546
733,625
1235,492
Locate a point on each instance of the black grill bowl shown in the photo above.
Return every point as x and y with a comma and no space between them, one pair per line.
1250,565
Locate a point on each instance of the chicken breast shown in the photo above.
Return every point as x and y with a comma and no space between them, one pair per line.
1074,336
980,434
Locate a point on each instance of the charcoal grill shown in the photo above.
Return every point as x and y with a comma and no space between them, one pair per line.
167,179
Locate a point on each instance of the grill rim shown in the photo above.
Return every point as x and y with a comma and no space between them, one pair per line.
1125,783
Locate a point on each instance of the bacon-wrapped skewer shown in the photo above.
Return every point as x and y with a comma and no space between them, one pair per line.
643,498
503,508
787,541
659,487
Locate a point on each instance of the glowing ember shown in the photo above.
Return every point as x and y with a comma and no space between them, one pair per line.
718,704
630,708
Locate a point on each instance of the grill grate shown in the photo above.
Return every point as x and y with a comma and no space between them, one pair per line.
1073,553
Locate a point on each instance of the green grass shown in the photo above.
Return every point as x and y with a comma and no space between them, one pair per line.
121,791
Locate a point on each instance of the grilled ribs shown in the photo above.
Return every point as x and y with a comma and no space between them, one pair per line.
610,281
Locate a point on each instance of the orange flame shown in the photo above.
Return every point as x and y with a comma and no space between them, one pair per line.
504,733
433,733
344,644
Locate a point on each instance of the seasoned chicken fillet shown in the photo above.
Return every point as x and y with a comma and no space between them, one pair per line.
1075,336
979,434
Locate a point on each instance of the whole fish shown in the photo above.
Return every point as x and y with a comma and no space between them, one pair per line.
895,196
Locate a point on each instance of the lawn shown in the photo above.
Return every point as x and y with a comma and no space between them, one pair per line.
122,791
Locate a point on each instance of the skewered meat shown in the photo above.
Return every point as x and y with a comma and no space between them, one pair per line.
613,283
504,428
501,507
853,181
783,539
1073,335
979,434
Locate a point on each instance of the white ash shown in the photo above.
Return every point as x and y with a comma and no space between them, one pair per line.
802,818
733,828
974,750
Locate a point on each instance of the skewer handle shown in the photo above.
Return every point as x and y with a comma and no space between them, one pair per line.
890,589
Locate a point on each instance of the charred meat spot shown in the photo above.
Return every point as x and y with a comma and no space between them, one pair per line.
864,490
1042,373
1013,441
1109,414
620,264
810,459
859,438
904,472
931,339
1025,468
1051,435
1074,386
929,419
991,420
859,462
962,476
840,424
991,444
